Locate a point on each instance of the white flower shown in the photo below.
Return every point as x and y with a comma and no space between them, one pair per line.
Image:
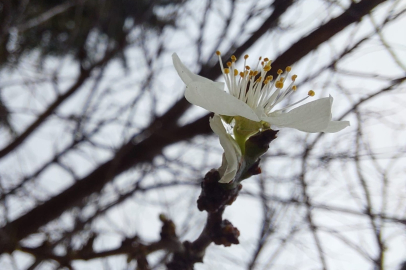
232,152
253,95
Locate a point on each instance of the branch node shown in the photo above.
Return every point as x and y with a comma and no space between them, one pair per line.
214,195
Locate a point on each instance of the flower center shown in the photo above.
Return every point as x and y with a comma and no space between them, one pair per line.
255,87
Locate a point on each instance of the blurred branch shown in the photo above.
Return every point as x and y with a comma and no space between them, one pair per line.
377,229
309,215
164,131
133,247
392,53
355,12
126,157
45,16
83,76
267,224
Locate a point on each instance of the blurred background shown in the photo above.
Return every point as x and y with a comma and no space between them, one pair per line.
96,139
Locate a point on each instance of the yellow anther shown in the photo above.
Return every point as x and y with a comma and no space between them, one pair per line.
251,73
294,77
294,88
218,52
247,67
260,58
279,84
235,72
269,78
266,81
233,58
246,56
311,93
259,79
282,79
267,68
255,72
242,74
226,71
280,71
229,64
288,68
266,59
262,63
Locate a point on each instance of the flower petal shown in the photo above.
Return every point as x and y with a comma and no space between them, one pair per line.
231,150
314,116
335,126
207,96
187,76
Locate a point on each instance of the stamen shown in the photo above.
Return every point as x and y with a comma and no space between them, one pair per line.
270,102
279,84
222,70
255,88
291,105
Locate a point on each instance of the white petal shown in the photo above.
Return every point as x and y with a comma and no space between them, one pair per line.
187,76
207,96
231,152
314,116
335,126
228,177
